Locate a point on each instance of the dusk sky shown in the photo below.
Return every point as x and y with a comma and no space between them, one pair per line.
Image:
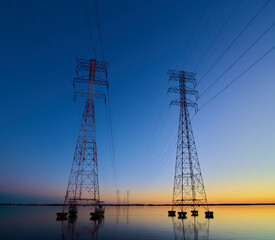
234,133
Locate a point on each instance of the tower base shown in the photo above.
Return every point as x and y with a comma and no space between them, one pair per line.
209,214
182,215
171,213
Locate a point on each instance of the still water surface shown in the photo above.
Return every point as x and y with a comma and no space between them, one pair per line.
232,222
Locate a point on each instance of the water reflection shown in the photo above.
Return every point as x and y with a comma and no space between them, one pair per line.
120,212
117,214
146,223
191,229
74,230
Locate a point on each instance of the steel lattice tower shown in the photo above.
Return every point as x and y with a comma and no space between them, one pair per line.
188,183
83,185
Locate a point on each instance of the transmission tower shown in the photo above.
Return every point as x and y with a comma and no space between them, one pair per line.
117,199
188,183
83,186
128,194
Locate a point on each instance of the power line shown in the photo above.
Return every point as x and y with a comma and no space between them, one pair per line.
235,79
217,35
50,46
111,147
89,26
201,32
153,168
42,53
247,50
161,162
55,29
99,29
38,47
111,137
153,137
236,38
194,31
164,158
45,37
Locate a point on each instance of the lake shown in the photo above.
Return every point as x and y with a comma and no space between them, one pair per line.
230,222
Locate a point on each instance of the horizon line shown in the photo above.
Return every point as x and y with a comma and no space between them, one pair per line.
136,204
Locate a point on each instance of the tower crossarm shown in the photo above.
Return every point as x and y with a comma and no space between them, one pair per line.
86,79
188,103
187,90
85,94
175,75
96,76
84,65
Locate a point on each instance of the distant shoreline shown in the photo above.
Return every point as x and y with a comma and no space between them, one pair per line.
140,205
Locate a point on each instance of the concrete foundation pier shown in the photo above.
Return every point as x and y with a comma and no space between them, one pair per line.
171,213
60,216
194,213
182,215
209,214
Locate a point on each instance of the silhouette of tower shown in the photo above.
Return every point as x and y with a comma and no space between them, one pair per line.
117,199
188,183
128,194
83,186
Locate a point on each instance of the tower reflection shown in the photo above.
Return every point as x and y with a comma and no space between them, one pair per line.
191,229
74,230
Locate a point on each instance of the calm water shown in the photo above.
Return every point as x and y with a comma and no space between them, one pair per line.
249,222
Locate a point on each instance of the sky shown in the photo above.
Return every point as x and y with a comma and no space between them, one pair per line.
40,122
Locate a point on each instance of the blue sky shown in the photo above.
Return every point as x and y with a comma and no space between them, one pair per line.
142,40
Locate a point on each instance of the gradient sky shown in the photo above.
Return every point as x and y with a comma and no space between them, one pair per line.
39,121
